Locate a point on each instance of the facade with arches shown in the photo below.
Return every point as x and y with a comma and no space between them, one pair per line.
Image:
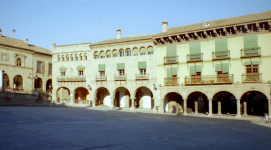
211,68
21,63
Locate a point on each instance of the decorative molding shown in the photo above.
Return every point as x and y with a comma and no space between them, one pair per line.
81,67
62,68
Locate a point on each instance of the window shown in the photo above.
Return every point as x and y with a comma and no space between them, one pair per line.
39,67
121,68
150,50
128,52
121,73
63,74
135,52
76,57
115,53
67,57
50,68
101,69
71,57
171,54
252,69
251,45
19,62
58,58
195,73
142,51
172,73
86,56
63,58
195,51
142,71
96,55
121,53
81,72
81,56
102,73
102,54
108,54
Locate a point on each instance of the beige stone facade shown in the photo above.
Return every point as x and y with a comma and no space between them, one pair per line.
22,62
217,67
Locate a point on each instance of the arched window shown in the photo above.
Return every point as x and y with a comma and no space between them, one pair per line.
67,57
115,53
63,58
6,80
86,56
142,51
128,52
38,83
71,57
150,50
58,57
102,54
108,54
19,62
121,53
18,82
135,51
96,55
81,56
76,56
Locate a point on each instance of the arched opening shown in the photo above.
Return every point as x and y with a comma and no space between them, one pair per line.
102,54
254,103
224,103
144,98
76,57
81,94
197,102
122,98
71,57
108,54
142,51
6,80
81,56
63,94
38,83
135,51
173,103
67,57
49,86
58,57
115,53
18,82
63,57
128,52
96,55
150,50
102,97
19,62
121,53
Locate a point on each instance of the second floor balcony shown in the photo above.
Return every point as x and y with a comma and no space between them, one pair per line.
209,79
171,59
252,78
194,57
173,81
101,78
120,77
81,78
219,55
251,52
142,76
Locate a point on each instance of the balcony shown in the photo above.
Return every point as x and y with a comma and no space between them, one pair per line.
120,78
171,60
81,78
174,81
252,78
210,79
195,57
142,76
220,55
101,78
251,52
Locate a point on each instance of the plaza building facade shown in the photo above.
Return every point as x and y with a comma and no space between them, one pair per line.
216,67
24,66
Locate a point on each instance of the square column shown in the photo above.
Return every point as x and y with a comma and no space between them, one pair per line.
238,108
112,102
269,111
219,107
162,107
185,107
210,107
133,104
196,107
245,108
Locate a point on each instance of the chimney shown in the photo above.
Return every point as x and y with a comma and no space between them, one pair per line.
26,41
118,33
53,45
164,26
0,32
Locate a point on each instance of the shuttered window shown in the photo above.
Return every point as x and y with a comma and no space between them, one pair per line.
222,67
174,71
195,50
101,67
248,63
171,53
150,50
221,45
121,66
142,65
250,41
102,54
143,51
135,52
169,75
192,70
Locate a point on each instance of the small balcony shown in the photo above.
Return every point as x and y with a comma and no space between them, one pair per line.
174,81
171,59
210,79
101,78
120,77
194,57
252,78
81,78
220,55
142,76
251,52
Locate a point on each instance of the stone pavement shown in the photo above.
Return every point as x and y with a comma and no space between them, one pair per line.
87,128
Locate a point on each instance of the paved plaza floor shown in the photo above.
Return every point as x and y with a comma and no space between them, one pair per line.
83,128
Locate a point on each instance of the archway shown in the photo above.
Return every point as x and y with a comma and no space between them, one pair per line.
6,80
122,97
102,97
38,83
254,103
81,94
224,103
143,98
197,102
172,102
18,82
49,85
63,94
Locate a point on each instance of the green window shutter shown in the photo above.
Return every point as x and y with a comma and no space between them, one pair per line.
115,52
67,55
192,70
142,65
62,70
171,50
198,68
135,51
101,67
63,56
174,71
169,75
71,55
102,53
86,54
225,68
121,66
221,45
81,54
80,69
194,48
247,63
218,67
255,62
108,53
150,49
142,51
250,41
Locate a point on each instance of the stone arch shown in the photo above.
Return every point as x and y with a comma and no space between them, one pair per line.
102,54
172,102
49,86
115,53
150,50
63,93
121,52
142,50
135,51
38,83
128,52
18,82
143,97
224,102
102,97
96,55
233,93
197,102
121,97
108,54
81,93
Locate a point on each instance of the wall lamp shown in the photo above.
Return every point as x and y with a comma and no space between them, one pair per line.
89,87
154,86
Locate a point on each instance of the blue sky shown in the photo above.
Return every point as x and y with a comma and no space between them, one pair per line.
80,21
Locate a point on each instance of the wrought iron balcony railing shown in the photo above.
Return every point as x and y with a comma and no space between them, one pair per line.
120,77
173,81
251,52
171,59
142,76
252,77
209,79
81,78
101,78
218,55
195,57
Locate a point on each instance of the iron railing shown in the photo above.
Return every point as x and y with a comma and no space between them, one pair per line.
173,81
142,76
120,77
81,78
171,59
217,55
251,52
251,77
209,79
101,78
195,57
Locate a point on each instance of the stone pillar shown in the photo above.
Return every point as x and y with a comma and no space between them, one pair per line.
185,107
269,111
210,107
245,108
72,98
112,102
219,107
133,104
196,107
162,107
238,108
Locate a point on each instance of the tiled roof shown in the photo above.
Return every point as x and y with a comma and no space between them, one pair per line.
21,44
220,23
